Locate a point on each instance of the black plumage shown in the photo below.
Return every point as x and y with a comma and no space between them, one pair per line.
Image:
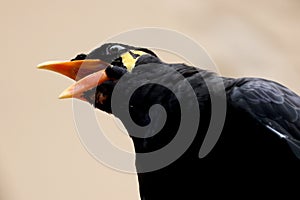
256,155
250,155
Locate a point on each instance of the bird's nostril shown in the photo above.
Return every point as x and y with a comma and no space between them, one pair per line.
80,57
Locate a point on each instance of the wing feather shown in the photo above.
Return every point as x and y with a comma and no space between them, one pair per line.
272,104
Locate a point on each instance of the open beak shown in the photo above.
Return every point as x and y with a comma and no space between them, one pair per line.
87,73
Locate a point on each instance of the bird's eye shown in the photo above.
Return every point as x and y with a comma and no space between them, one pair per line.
115,49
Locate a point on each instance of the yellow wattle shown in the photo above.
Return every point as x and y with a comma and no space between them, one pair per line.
129,61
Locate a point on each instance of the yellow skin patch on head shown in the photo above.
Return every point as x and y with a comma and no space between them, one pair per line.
129,60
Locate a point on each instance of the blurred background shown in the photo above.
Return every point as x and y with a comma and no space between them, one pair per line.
41,156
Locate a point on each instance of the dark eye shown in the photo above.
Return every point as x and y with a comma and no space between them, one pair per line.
115,49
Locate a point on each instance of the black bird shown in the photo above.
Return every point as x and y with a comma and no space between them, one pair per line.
257,154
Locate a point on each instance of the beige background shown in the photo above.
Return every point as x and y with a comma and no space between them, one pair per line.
41,156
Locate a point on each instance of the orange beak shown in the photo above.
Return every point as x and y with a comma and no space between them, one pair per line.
89,74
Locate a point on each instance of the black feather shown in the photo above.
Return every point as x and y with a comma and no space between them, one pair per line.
258,148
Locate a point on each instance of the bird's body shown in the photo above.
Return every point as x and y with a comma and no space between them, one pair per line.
247,157
258,149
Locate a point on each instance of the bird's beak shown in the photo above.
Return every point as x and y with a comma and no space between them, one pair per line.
87,73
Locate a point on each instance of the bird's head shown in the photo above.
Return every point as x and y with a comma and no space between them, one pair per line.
117,54
97,72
